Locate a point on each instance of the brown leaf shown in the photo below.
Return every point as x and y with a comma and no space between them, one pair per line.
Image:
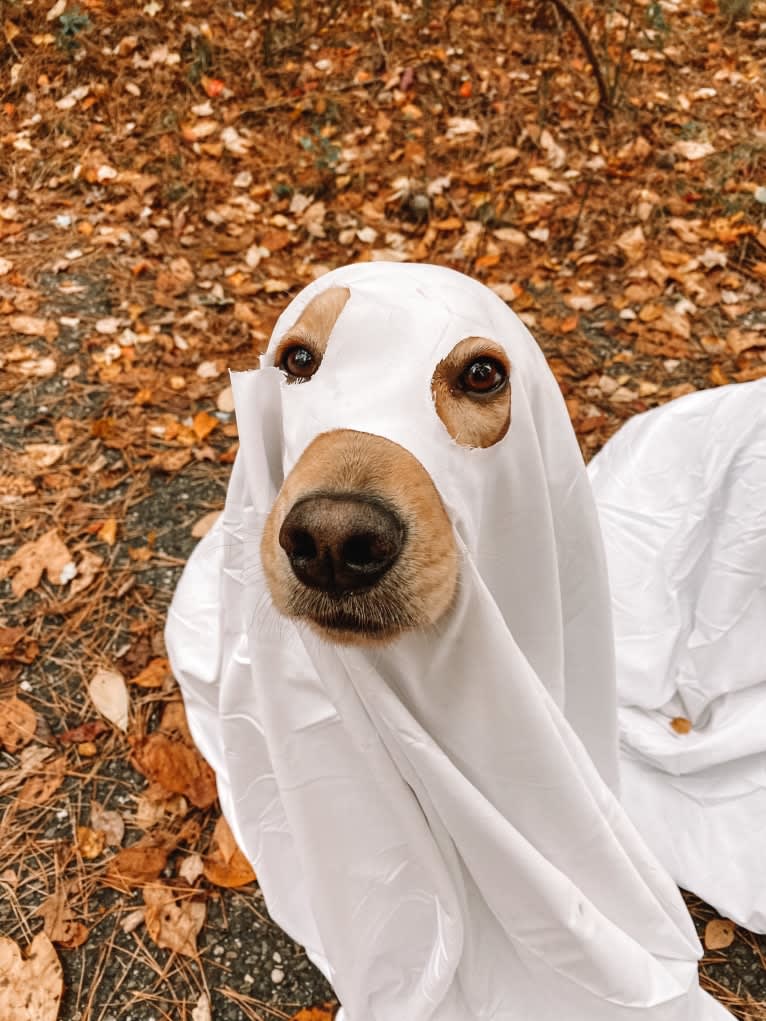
40,788
34,326
32,986
85,732
227,865
719,933
17,724
60,925
108,531
90,843
203,424
203,526
154,674
110,696
48,553
171,460
142,862
87,568
681,725
176,766
173,918
324,1013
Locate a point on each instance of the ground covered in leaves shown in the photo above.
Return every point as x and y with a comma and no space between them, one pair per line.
171,174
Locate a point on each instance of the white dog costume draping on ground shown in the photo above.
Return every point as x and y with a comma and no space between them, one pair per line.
681,493
435,820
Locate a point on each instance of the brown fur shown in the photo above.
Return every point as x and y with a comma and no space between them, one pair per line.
471,421
419,587
421,584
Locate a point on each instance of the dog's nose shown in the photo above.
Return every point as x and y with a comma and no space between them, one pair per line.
341,543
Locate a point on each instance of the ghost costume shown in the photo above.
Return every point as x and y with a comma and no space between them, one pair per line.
435,820
681,494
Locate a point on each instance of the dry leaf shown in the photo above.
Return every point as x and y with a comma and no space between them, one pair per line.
201,1009
48,553
173,919
203,424
17,724
633,243
60,924
693,150
203,526
90,843
191,868
140,863
108,531
155,805
154,674
323,1013
227,865
176,766
40,788
109,695
681,725
87,568
719,933
171,460
30,986
33,326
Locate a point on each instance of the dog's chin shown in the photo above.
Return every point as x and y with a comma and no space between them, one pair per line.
358,619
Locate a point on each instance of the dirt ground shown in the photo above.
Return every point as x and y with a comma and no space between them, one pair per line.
171,174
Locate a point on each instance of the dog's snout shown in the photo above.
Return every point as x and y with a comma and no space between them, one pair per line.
341,543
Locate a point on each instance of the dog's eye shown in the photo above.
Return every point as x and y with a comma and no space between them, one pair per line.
483,376
298,362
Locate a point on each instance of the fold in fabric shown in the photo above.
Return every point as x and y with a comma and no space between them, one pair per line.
681,494
434,820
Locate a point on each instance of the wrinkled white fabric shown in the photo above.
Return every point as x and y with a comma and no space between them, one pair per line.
435,820
681,493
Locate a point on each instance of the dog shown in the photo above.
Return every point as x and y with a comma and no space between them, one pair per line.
358,543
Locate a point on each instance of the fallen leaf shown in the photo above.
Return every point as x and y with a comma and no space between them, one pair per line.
90,843
48,553
40,456
173,918
203,526
154,674
142,862
171,460
40,788
17,724
88,567
681,725
633,243
31,986
693,150
201,1009
191,868
34,326
60,925
227,866
85,732
109,695
108,531
176,766
203,424
719,933
155,805
323,1013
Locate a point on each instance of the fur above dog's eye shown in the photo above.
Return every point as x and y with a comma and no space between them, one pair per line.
299,362
483,376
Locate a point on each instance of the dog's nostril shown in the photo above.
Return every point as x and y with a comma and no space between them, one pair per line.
341,543
301,545
368,551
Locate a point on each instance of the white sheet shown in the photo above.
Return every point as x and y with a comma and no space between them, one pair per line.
435,821
681,493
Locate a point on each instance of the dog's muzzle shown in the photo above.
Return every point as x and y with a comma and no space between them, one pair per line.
341,543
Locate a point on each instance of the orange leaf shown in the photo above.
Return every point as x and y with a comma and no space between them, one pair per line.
177,767
719,933
173,919
681,725
108,531
466,90
40,788
324,1013
227,865
154,674
212,86
17,724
